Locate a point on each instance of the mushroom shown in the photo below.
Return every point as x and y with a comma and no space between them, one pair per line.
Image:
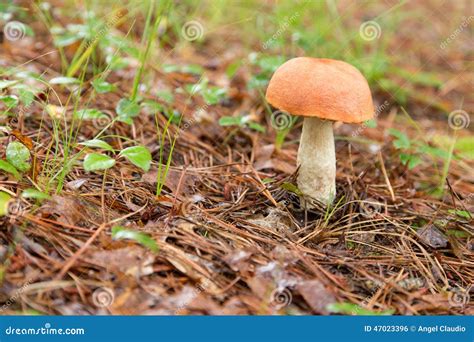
322,91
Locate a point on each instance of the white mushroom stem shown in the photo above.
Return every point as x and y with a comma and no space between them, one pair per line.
317,162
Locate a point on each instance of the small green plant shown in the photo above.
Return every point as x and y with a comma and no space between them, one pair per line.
9,168
346,308
414,151
266,65
101,86
4,200
211,94
34,194
241,121
18,156
411,155
139,156
127,110
121,233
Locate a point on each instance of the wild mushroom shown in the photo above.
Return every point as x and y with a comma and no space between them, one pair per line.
322,91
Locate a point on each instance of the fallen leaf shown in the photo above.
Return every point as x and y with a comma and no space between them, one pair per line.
134,260
316,295
432,237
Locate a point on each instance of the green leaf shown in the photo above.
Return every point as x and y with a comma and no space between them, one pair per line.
372,123
422,78
256,127
19,156
411,160
35,194
402,141
66,39
7,83
232,68
195,69
230,121
434,151
465,146
9,100
102,86
414,161
4,199
97,161
127,109
125,119
26,96
64,80
138,156
7,167
166,96
116,62
292,188
168,68
461,213
354,309
97,143
213,95
119,233
270,63
458,233
89,114
188,69
404,158
258,81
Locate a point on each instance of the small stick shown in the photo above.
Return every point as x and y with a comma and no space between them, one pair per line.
384,171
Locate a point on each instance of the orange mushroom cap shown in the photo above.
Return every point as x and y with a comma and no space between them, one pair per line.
323,88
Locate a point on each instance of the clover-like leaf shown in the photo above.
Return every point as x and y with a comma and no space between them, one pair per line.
89,114
97,161
7,167
102,86
126,110
9,100
4,199
138,156
98,144
19,156
35,194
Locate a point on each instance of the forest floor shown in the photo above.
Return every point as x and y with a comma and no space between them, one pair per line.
211,223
